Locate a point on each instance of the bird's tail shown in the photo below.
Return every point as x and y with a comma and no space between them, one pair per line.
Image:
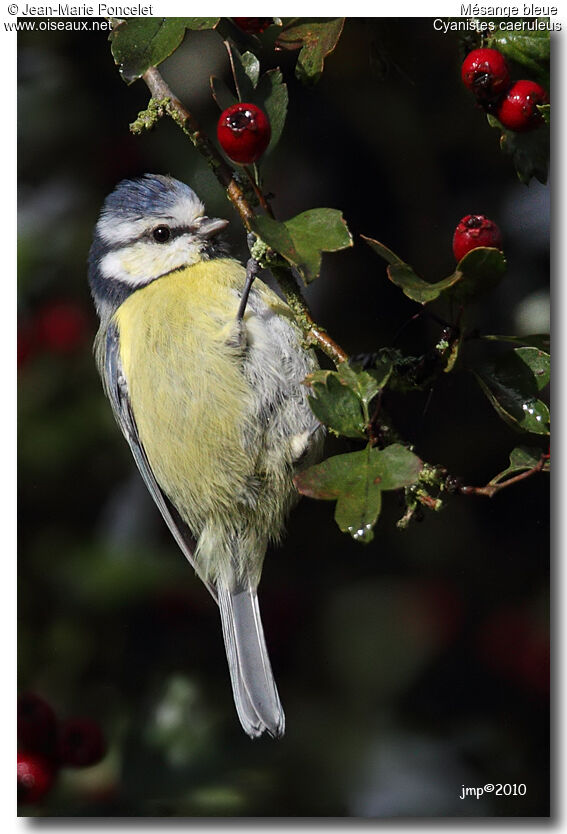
255,693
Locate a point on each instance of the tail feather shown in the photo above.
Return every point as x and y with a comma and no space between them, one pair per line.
253,686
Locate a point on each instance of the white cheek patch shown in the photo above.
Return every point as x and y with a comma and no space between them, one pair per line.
111,267
143,262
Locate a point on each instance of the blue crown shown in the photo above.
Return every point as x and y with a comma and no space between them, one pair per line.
150,195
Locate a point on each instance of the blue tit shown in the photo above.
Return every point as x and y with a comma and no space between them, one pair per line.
209,395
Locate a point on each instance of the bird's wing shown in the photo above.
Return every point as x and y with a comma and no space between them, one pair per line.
116,388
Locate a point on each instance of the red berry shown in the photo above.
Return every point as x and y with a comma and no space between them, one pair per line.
62,326
473,231
36,724
81,743
35,776
485,72
243,132
518,109
254,25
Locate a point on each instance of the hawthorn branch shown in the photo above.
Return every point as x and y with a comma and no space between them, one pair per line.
186,121
491,489
165,102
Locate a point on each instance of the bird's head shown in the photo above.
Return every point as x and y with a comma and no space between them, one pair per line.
149,227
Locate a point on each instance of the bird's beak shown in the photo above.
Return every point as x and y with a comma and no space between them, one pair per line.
210,226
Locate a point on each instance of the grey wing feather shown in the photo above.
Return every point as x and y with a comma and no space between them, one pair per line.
116,388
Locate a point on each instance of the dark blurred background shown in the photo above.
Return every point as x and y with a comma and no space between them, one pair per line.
407,668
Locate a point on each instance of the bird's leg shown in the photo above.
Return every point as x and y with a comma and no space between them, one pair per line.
252,269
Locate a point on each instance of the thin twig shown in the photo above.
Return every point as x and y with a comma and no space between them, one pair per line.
259,194
491,489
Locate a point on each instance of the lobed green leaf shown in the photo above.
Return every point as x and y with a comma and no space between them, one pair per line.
341,398
140,43
303,239
336,405
356,481
315,38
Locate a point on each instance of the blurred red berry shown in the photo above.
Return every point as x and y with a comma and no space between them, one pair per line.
485,73
243,131
473,231
254,25
37,724
518,109
62,326
516,648
81,743
35,776
26,343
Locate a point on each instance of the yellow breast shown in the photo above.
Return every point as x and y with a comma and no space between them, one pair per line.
188,395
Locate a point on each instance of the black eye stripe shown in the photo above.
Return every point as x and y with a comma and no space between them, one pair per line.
174,232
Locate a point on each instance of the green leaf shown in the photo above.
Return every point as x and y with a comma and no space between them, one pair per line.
403,276
139,43
381,371
246,71
356,481
529,49
538,362
389,256
512,387
522,459
342,397
251,66
316,38
272,96
303,239
336,405
538,340
529,151
364,384
480,270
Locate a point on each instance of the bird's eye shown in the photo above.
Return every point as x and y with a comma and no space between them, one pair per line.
161,234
